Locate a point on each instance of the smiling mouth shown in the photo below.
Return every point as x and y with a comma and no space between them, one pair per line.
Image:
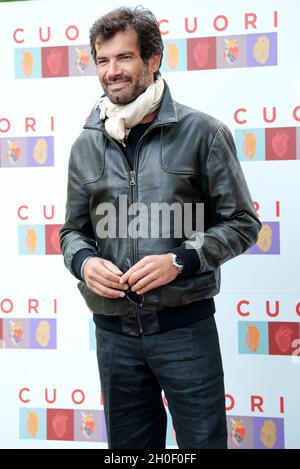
118,85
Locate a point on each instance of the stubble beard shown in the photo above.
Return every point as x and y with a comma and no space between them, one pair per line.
126,96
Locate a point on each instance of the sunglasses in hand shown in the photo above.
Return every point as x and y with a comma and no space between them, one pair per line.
134,298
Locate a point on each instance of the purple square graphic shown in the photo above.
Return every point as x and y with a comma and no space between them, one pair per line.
231,51
88,426
40,151
240,432
268,433
16,333
268,240
81,62
43,333
261,49
13,152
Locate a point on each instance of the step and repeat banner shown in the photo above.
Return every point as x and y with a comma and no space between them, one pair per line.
238,61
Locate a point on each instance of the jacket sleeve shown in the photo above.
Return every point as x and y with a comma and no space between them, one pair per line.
77,232
228,199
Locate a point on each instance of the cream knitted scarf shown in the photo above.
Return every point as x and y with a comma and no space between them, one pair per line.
121,118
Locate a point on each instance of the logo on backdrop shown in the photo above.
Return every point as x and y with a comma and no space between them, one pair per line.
34,151
268,144
187,54
54,62
268,241
17,152
70,425
206,53
89,425
62,424
39,240
255,432
20,333
268,338
196,53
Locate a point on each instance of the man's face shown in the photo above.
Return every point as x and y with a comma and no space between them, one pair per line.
121,70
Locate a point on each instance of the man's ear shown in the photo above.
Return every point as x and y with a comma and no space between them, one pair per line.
154,62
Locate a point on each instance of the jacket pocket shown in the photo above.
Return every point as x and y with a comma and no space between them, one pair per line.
180,158
90,154
98,304
183,291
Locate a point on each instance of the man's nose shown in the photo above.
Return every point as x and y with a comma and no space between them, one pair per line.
113,69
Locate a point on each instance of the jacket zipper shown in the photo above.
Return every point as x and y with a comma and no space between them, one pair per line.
133,189
134,241
132,183
132,175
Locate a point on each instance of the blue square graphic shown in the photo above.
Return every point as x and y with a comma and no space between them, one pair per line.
250,144
33,424
31,240
175,55
253,337
28,63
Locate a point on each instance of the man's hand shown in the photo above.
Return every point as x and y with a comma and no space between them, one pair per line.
102,277
150,272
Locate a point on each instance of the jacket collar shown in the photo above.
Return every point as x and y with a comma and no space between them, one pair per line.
166,113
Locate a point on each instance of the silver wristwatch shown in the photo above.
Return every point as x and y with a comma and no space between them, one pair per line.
176,262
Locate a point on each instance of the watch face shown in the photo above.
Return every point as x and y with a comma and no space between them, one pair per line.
178,262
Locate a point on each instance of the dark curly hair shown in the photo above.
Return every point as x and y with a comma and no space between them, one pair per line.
140,19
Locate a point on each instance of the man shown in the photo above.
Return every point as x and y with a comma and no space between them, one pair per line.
152,296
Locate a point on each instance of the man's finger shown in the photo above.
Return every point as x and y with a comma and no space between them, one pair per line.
143,282
113,268
100,270
105,268
111,284
149,287
139,265
107,292
127,274
139,276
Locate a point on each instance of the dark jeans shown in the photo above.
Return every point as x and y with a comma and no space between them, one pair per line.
186,363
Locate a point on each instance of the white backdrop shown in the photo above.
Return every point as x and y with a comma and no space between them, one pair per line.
50,393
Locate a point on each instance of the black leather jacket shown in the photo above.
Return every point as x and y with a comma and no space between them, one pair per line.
184,156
